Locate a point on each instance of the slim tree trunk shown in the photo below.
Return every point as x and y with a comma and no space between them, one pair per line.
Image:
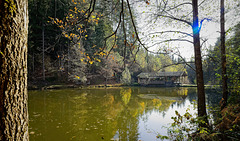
43,53
33,64
223,57
13,74
198,62
68,58
55,9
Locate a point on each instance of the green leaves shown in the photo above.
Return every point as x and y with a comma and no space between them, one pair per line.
162,137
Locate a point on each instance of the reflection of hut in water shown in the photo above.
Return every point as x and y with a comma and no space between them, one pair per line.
162,78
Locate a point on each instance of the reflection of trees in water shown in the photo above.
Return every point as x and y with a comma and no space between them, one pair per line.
126,95
93,114
165,91
111,113
97,113
160,99
192,94
213,97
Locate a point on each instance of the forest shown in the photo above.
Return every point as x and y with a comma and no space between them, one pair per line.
98,42
56,55
63,49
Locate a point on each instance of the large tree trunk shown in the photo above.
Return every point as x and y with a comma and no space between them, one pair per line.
13,74
198,62
223,56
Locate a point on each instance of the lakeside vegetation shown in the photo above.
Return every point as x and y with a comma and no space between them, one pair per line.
99,43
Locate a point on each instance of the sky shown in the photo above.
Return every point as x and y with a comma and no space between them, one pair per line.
210,29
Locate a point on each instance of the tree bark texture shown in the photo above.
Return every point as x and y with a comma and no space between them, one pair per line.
198,62
223,58
13,74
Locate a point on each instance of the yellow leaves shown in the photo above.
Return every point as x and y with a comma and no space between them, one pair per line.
76,76
102,54
81,31
72,20
74,2
98,60
142,104
68,36
88,57
91,62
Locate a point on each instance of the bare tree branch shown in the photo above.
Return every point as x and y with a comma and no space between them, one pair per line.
88,12
169,65
115,32
171,31
170,40
135,29
184,60
174,18
185,3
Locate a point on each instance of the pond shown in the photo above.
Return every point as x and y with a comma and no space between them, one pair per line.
126,114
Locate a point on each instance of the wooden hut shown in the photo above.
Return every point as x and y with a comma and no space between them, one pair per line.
161,78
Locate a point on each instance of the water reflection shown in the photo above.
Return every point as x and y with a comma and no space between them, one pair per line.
105,114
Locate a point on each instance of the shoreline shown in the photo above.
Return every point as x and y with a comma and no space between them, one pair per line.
66,86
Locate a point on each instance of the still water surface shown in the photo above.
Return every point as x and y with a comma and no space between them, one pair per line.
126,114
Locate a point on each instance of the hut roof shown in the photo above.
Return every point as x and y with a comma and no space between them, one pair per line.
160,74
